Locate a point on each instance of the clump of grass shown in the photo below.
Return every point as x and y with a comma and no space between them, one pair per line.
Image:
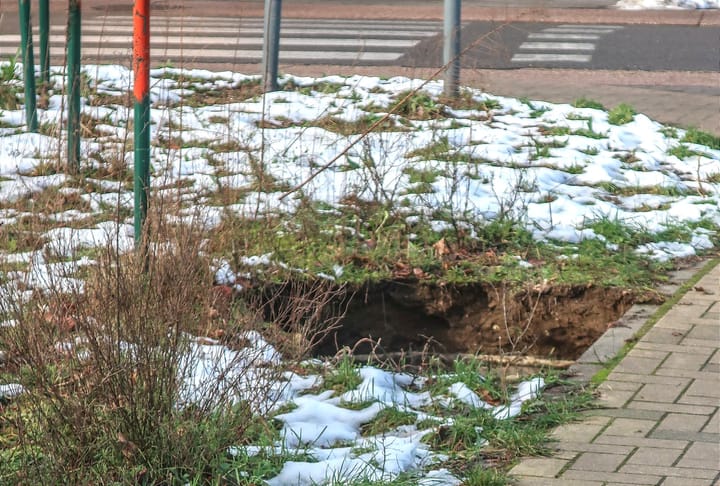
682,151
343,377
387,420
701,138
417,105
588,103
621,114
358,126
466,100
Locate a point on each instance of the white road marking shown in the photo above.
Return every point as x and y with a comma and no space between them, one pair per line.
591,26
551,58
159,31
229,39
580,30
193,54
558,46
235,41
545,35
565,36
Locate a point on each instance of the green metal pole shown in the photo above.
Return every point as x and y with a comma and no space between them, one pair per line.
451,47
271,44
28,66
73,56
141,91
44,21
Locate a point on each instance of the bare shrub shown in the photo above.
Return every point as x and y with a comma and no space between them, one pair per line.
107,367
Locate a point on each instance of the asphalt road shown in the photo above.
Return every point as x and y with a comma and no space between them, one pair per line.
404,43
492,45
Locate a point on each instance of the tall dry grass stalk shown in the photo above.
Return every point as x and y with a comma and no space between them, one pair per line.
107,365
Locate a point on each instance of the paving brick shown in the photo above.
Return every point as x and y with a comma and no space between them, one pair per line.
674,324
630,427
656,392
619,385
640,441
695,343
671,407
692,360
682,472
654,456
690,400
704,332
663,335
636,378
565,455
682,422
695,375
705,321
631,364
598,461
639,352
607,346
555,482
711,368
614,398
713,426
702,455
708,347
686,311
705,388
611,477
670,481
573,446
685,435
631,413
584,431
544,467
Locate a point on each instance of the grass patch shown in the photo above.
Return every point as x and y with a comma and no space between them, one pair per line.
387,420
701,138
672,191
621,114
417,105
466,100
683,152
361,125
588,103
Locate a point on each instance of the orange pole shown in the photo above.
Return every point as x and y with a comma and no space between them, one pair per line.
141,49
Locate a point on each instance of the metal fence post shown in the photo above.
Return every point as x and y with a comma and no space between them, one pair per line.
451,47
74,82
271,44
141,120
44,24
28,66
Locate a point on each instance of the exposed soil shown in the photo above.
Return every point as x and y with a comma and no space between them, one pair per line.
557,321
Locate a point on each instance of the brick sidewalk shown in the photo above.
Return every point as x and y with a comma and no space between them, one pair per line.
662,422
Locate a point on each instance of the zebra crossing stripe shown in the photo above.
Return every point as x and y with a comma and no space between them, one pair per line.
232,40
547,35
559,46
229,31
551,58
555,43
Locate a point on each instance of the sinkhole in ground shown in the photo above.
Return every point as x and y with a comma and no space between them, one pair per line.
556,321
